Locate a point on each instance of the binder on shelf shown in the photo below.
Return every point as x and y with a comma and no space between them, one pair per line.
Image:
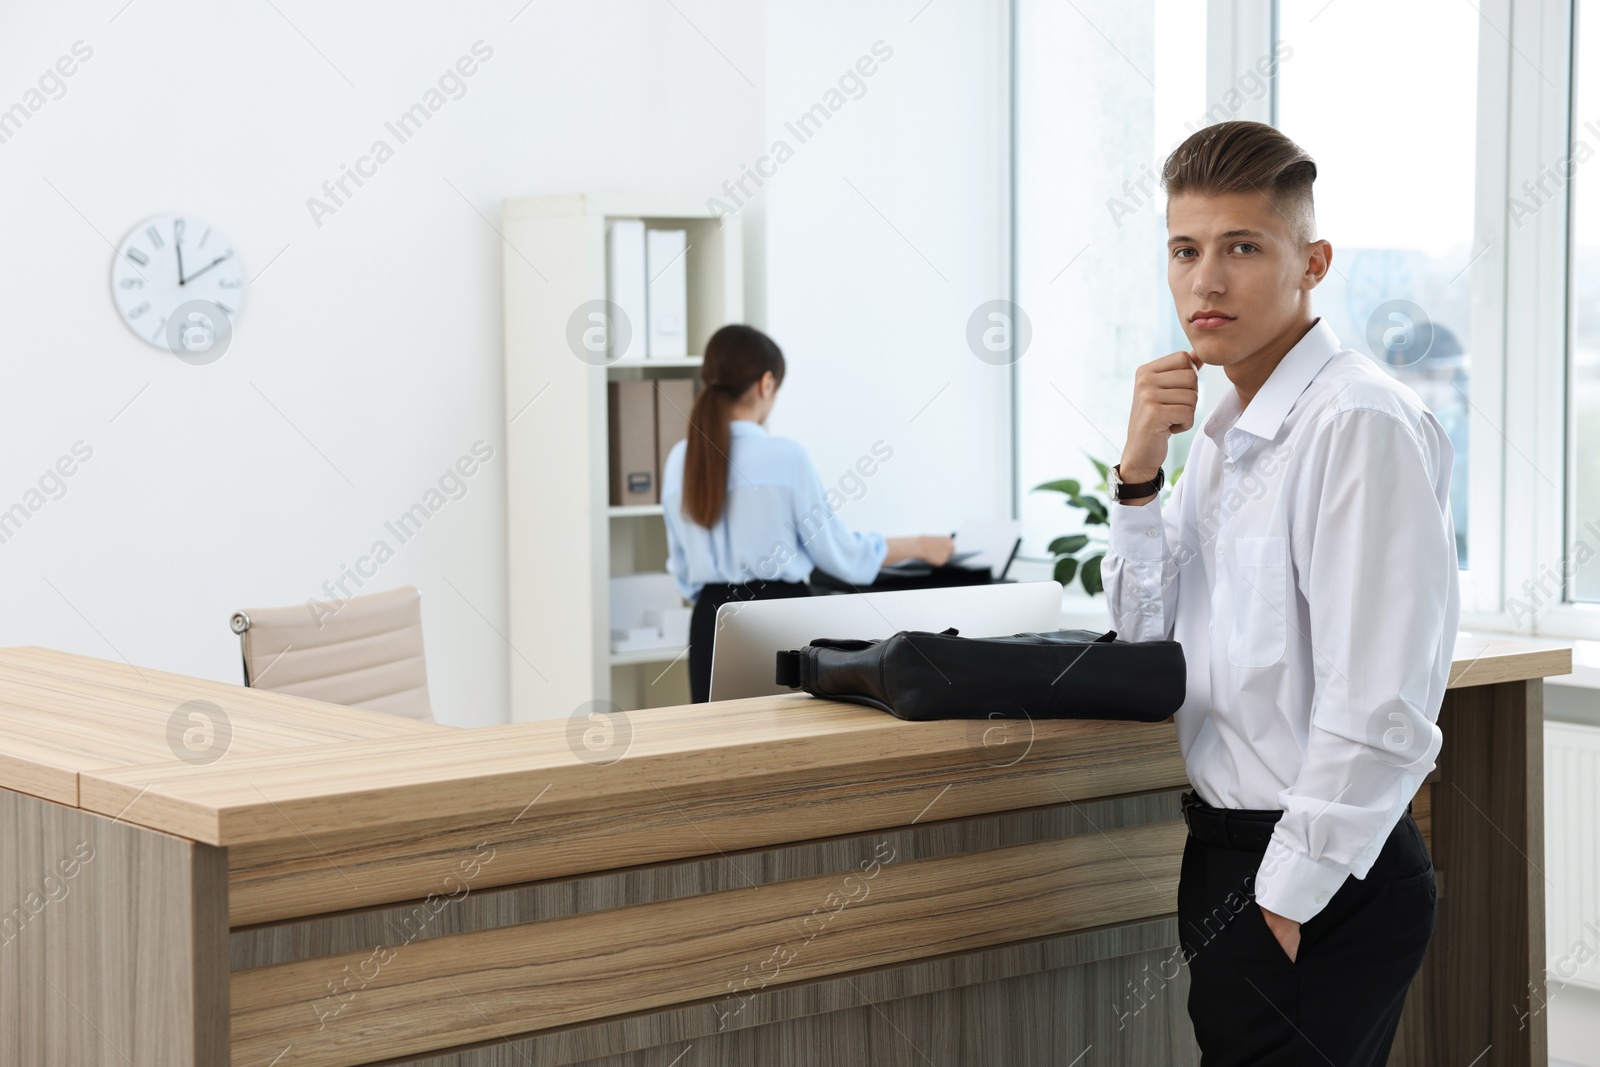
631,430
667,293
625,286
674,398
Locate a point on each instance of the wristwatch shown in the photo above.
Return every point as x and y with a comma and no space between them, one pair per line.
1121,490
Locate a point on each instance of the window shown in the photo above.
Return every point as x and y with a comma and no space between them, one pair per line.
1459,155
1395,146
1103,93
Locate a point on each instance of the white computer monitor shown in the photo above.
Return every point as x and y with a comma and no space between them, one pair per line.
749,634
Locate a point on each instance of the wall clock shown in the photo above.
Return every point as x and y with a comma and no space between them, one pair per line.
178,286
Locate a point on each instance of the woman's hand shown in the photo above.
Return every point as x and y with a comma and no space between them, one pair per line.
935,549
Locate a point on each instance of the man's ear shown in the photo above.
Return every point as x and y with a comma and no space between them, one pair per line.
1319,257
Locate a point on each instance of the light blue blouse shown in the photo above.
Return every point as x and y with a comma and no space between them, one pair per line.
777,524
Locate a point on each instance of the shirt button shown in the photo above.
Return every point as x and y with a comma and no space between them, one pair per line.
1151,532
1322,898
1227,464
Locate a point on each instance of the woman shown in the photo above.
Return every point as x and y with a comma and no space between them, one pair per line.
747,514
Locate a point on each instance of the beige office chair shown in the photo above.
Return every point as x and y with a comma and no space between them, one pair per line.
366,653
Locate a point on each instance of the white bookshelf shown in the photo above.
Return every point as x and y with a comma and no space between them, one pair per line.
649,655
660,361
565,539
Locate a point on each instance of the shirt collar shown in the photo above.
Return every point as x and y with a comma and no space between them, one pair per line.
1264,415
739,426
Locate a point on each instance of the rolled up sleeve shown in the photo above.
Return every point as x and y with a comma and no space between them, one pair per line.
1376,563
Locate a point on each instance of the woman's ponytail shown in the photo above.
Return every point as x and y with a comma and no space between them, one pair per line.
736,358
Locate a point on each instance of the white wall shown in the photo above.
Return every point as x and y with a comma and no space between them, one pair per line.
884,231
367,357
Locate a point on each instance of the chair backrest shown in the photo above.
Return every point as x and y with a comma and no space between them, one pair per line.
363,653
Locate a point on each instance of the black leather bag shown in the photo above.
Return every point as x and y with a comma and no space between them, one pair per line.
1062,674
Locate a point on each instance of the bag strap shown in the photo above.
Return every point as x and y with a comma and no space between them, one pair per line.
789,668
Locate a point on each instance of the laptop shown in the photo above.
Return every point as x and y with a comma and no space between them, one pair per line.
991,543
749,634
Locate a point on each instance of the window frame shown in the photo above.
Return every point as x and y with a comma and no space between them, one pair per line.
1538,292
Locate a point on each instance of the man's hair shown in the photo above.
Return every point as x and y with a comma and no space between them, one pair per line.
1241,157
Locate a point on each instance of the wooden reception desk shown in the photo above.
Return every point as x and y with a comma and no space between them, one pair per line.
195,874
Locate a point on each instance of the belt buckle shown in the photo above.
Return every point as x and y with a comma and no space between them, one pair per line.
1190,803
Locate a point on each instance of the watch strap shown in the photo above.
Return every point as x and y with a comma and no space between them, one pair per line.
1134,490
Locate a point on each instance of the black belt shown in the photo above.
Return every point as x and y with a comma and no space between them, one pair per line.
755,589
1245,829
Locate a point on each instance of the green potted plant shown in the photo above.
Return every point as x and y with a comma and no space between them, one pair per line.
1079,555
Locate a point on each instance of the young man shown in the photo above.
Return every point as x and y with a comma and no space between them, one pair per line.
1307,563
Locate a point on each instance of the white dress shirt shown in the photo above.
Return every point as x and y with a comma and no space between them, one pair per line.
1306,561
777,525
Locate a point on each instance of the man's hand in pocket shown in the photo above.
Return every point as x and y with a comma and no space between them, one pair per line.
1287,931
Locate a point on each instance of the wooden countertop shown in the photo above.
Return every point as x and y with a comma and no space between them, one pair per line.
63,715
94,734
1484,659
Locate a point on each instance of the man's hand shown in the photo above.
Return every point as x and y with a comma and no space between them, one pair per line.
1165,392
1287,931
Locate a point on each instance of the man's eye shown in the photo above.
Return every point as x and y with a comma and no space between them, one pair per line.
1246,246
1182,253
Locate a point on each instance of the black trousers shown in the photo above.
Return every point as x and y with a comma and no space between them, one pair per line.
703,623
1338,1002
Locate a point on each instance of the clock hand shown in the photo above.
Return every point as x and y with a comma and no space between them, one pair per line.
205,268
179,246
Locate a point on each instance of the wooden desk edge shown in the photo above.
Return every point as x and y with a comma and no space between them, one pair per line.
159,788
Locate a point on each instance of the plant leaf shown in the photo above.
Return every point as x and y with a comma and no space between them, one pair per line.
1105,472
1066,569
1062,546
1095,508
1091,574
1068,486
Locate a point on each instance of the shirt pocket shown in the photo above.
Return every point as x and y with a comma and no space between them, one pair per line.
1260,601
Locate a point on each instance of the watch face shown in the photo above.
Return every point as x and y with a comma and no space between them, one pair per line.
178,286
